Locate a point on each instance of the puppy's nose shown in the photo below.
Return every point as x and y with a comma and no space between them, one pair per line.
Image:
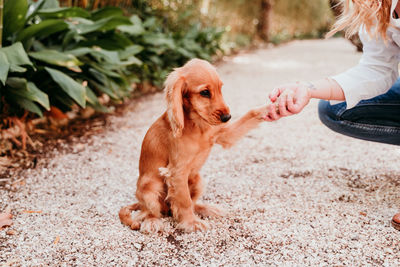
225,117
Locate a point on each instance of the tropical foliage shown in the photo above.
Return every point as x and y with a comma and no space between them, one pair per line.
68,56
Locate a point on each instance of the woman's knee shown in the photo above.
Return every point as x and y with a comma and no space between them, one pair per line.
323,109
330,115
333,112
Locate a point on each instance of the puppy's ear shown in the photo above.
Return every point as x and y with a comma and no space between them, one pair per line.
174,86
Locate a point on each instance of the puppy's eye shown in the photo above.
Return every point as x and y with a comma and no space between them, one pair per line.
205,93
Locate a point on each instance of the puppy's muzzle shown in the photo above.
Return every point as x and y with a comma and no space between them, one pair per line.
225,117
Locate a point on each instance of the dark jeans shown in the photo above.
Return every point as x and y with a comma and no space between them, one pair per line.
376,119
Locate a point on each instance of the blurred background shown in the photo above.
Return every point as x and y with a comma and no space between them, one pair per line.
243,21
67,59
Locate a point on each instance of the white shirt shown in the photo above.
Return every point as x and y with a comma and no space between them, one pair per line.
377,70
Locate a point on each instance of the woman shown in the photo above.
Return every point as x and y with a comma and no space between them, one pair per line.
371,90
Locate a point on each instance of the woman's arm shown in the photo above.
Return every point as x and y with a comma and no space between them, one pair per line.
376,72
374,75
327,89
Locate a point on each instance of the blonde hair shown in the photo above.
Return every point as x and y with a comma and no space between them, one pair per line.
374,15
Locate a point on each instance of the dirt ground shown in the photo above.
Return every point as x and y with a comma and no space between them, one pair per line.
295,193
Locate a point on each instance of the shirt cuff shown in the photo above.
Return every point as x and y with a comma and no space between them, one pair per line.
334,102
350,89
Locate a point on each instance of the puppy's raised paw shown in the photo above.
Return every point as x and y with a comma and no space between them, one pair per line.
151,225
260,113
193,225
208,210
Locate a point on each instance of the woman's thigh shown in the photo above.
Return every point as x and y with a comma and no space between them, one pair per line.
376,119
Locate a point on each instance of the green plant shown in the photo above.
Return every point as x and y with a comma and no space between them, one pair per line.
164,49
66,56
43,72
16,89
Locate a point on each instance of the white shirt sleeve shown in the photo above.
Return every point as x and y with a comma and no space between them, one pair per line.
376,72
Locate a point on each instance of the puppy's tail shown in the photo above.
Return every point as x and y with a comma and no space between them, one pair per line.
126,218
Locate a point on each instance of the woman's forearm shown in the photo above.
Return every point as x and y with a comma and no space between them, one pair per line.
327,89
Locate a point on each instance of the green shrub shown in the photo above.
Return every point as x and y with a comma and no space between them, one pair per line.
65,56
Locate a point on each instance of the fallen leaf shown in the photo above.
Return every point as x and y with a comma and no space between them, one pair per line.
57,240
363,213
57,113
32,211
5,220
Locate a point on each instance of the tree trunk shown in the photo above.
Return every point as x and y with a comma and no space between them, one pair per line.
205,5
1,22
263,23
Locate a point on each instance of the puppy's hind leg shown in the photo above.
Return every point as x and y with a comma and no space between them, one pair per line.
152,195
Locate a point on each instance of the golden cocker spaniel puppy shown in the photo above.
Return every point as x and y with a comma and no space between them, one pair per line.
177,145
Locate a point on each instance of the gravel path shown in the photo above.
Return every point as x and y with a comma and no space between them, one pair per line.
294,191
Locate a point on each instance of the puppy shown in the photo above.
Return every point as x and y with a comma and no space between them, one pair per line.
177,145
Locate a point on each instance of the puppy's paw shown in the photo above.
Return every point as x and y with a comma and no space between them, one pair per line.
193,225
151,225
260,113
135,225
208,210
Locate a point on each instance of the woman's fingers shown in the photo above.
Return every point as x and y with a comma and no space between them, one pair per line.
295,107
274,94
290,103
267,118
288,99
272,114
283,111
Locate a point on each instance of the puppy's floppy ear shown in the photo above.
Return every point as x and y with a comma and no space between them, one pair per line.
174,86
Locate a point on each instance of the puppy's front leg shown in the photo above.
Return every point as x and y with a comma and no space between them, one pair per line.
181,202
231,133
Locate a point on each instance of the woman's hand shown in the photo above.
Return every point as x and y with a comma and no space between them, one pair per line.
291,98
287,100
